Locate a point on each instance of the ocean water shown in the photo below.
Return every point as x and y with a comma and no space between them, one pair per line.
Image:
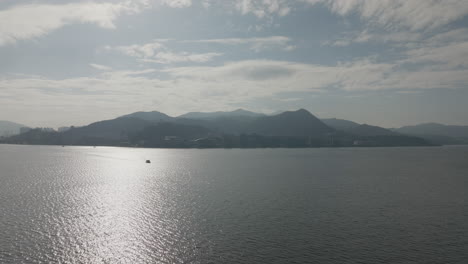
349,205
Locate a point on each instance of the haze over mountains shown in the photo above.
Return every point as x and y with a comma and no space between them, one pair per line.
437,133
358,129
239,128
8,128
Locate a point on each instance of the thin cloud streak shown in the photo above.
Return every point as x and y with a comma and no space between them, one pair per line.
157,52
256,44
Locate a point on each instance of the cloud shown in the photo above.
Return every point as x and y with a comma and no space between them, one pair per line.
157,52
439,51
395,38
147,50
179,89
250,70
22,22
272,77
35,20
100,67
177,3
449,56
418,30
171,57
263,8
413,15
256,44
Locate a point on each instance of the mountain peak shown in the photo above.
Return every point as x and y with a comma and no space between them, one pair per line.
148,116
291,123
303,111
300,112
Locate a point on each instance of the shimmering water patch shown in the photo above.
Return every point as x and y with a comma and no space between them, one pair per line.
106,205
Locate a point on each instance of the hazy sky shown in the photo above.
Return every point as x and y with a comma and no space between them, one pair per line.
385,62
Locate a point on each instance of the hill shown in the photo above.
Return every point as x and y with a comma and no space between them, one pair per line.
169,135
153,116
291,123
339,124
368,130
155,129
358,129
8,128
437,133
108,132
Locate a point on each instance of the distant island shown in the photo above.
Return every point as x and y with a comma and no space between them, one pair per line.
235,129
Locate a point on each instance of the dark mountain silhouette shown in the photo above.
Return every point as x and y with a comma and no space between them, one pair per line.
339,124
115,130
8,128
291,123
436,129
229,125
368,130
358,129
276,112
154,129
36,136
153,116
169,135
219,114
162,130
437,133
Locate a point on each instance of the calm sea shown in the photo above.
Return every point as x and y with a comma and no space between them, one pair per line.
351,205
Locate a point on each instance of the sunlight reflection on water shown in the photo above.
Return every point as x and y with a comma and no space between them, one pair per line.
106,205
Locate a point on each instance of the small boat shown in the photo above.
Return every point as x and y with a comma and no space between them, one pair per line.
148,161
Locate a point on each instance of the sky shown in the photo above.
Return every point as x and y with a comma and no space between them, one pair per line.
388,62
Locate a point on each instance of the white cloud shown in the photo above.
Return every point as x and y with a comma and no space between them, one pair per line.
100,67
455,35
391,14
177,3
159,53
395,38
21,22
419,29
450,56
413,15
147,50
265,76
172,57
263,9
256,44
215,87
35,20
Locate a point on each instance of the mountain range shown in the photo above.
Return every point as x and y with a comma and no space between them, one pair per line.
240,128
437,133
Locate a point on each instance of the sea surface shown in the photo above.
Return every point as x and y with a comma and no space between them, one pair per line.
340,205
